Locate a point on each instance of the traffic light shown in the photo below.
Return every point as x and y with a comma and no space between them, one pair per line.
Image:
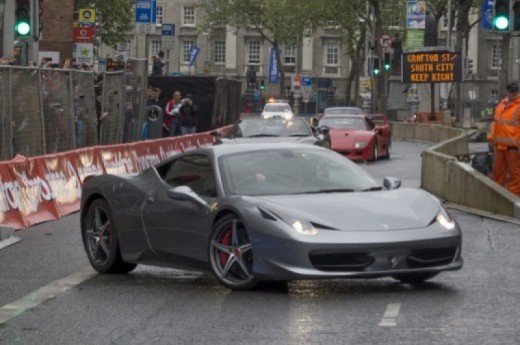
515,15
22,23
375,69
501,16
262,85
387,62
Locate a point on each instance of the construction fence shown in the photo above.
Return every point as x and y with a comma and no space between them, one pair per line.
55,110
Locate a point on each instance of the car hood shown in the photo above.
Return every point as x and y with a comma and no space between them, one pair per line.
348,135
305,140
382,210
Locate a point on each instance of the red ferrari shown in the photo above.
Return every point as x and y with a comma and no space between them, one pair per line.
359,136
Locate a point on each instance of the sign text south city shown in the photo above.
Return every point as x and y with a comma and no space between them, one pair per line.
432,67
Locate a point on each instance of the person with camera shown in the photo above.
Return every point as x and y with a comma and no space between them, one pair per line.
188,112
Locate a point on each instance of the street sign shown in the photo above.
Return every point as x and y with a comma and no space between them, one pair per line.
144,16
87,16
432,67
168,36
143,11
385,41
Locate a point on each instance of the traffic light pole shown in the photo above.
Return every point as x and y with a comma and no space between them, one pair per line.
504,67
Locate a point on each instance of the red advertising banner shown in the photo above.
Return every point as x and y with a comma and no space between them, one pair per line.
48,187
84,34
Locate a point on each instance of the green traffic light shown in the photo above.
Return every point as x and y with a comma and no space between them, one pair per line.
387,67
501,22
22,28
376,71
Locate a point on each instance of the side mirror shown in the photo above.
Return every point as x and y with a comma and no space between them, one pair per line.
391,183
185,193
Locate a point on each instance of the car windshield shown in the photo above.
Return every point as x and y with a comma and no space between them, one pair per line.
347,122
292,171
278,127
346,110
273,108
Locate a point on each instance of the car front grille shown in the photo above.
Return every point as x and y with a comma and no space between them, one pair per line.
431,257
350,262
382,260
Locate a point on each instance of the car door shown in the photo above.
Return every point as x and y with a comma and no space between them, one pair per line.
178,229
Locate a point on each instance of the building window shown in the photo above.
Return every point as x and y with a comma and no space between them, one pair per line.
219,52
156,47
186,48
253,56
331,54
188,15
496,56
289,56
159,14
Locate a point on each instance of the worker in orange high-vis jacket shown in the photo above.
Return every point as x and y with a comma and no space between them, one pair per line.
505,136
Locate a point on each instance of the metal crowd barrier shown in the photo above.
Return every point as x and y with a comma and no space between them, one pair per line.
55,110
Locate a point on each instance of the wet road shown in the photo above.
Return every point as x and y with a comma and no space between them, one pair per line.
49,295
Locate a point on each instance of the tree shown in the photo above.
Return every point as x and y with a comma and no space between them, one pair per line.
114,19
282,23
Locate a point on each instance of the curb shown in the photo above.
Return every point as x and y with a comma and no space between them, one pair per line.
7,237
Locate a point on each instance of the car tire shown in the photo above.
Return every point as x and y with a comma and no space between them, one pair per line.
231,254
415,278
100,240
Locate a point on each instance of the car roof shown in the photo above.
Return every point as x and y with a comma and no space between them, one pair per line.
361,116
346,109
276,103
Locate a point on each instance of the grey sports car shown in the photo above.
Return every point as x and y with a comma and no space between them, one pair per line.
274,130
257,212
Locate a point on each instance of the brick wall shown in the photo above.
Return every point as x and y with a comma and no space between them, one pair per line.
58,20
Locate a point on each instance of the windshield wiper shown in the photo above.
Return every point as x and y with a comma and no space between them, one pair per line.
372,189
262,135
337,190
299,135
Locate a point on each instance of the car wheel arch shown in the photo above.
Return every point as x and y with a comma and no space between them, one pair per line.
86,205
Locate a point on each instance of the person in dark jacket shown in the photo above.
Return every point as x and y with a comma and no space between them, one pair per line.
188,112
158,64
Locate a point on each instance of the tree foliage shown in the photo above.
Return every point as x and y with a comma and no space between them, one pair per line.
282,23
114,18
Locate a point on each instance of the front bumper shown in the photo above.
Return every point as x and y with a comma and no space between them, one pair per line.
362,258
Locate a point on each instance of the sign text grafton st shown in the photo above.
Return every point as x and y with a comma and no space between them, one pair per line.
432,67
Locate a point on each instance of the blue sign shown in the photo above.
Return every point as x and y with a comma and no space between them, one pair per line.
154,11
168,30
194,51
486,14
273,67
306,81
143,11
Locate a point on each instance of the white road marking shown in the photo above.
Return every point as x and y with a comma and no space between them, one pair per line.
43,294
390,316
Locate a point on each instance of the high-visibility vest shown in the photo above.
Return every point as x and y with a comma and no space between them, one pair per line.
505,130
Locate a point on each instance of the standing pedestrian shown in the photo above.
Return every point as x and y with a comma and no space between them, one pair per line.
172,118
505,136
188,112
158,64
291,100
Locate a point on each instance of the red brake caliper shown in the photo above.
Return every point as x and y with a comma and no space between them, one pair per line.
226,240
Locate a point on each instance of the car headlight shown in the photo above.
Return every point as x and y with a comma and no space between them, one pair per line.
360,144
445,220
301,226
